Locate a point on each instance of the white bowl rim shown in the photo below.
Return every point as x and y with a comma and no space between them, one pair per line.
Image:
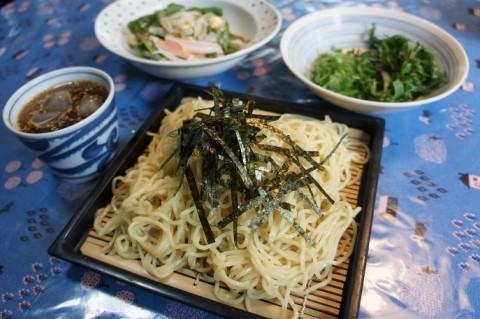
58,72
297,24
191,63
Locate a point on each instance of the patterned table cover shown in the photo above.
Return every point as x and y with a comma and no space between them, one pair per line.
424,256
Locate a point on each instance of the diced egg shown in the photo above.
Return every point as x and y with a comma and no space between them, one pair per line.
216,23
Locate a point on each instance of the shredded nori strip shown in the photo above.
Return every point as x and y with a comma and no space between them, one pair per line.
228,139
198,204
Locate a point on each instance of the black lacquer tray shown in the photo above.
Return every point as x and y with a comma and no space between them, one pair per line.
78,244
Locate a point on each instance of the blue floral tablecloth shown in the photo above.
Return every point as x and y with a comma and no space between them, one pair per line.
424,256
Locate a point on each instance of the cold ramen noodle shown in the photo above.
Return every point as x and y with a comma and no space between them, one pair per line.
250,202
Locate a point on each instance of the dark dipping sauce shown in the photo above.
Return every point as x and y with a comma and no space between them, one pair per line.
62,106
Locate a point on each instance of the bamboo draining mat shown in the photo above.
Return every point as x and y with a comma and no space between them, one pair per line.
321,304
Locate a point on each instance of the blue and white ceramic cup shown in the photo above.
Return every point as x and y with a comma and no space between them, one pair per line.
77,153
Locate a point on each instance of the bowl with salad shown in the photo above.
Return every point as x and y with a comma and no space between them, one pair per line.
186,39
374,60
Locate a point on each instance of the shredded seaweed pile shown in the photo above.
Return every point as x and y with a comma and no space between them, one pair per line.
226,136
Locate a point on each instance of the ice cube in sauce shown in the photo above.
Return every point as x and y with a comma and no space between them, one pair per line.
62,106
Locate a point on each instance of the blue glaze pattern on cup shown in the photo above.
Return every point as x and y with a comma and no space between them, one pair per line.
92,146
77,153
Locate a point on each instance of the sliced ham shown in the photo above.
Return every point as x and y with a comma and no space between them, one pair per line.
196,46
175,49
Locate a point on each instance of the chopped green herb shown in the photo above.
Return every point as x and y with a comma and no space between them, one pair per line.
390,70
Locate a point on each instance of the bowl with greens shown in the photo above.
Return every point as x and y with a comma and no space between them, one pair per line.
374,60
186,39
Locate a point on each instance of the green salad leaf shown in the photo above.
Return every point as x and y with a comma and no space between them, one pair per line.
144,23
226,40
389,70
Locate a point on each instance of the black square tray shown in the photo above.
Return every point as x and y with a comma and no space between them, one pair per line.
68,244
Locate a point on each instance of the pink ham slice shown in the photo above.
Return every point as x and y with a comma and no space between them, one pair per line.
175,48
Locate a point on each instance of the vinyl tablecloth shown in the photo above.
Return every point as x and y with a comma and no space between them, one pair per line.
424,255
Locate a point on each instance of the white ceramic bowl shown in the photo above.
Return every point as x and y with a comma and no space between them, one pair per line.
77,153
348,27
256,19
